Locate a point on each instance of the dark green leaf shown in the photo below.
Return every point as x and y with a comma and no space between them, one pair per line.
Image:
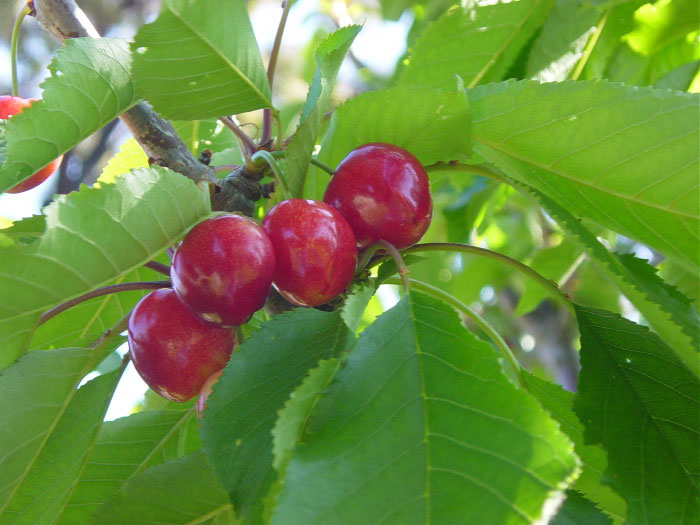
178,492
478,42
642,405
592,483
420,425
48,429
577,510
242,409
125,448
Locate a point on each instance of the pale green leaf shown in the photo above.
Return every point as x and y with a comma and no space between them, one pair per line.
329,56
478,42
560,45
435,128
178,492
200,59
355,305
559,403
124,448
622,156
130,156
47,427
92,237
89,86
659,23
420,425
640,403
242,409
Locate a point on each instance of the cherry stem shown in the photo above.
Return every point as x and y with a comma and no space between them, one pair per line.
513,364
394,254
271,66
266,156
158,267
13,48
547,284
321,165
245,143
105,290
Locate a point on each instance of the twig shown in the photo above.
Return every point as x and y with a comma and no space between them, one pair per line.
247,145
105,290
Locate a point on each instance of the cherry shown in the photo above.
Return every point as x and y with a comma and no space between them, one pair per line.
315,251
384,193
173,350
9,106
223,269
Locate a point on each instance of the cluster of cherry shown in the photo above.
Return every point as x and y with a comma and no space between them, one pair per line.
181,337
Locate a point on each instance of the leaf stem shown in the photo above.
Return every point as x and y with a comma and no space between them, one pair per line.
245,143
592,41
547,284
271,66
478,320
105,290
13,48
158,267
266,156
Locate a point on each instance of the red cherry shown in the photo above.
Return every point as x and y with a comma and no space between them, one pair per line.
315,251
384,193
173,350
206,391
223,269
9,106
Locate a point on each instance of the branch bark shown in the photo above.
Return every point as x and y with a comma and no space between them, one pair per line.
157,136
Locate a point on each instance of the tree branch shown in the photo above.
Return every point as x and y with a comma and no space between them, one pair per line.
64,19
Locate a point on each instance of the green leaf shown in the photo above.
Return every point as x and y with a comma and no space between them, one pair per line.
242,409
355,305
624,157
642,405
89,86
478,42
679,78
559,403
465,213
130,156
559,47
435,127
48,428
125,448
92,237
178,492
419,413
667,310
329,56
577,510
688,283
554,263
662,22
200,59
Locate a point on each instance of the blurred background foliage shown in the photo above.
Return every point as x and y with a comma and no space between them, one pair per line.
640,44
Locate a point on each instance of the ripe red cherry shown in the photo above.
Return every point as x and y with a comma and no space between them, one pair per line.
223,269
384,193
315,251
9,106
173,350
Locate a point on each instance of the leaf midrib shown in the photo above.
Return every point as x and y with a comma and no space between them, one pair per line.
225,59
